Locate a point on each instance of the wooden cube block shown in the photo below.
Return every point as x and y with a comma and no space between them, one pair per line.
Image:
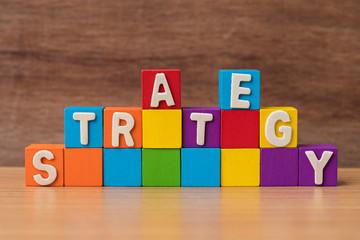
239,89
122,167
279,166
161,167
161,89
240,167
200,167
122,127
278,127
318,165
83,167
83,127
239,128
44,165
162,128
201,127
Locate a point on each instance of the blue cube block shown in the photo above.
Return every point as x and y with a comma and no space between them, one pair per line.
225,84
200,167
122,167
72,128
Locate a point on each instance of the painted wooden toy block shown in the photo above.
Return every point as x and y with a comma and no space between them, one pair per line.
161,89
122,127
200,167
279,166
44,165
201,127
239,89
278,127
318,165
162,128
239,128
83,167
240,167
83,127
122,167
161,167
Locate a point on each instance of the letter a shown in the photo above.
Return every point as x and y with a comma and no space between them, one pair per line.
158,96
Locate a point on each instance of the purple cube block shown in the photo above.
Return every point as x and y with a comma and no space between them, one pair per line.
279,166
327,176
212,128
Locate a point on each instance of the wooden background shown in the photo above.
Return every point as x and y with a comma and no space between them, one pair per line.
55,54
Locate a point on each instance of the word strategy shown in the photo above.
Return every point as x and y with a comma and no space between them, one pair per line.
238,143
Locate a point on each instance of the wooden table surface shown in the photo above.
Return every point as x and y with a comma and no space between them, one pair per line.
179,213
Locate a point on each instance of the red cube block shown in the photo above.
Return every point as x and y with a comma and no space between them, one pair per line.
168,85
239,128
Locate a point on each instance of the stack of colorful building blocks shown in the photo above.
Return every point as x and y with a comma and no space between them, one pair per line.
160,144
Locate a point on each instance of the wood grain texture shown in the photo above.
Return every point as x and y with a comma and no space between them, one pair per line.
179,213
55,54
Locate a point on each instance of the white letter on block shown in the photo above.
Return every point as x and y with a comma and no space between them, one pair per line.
201,119
319,165
270,129
236,90
51,170
157,96
117,129
84,119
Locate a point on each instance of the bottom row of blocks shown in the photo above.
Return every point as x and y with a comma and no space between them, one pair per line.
182,167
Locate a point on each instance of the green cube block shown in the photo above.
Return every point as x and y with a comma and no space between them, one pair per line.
161,167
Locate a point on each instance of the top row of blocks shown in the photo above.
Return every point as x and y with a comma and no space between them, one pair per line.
238,89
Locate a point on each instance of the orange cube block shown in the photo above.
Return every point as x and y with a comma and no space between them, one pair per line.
127,128
44,165
83,167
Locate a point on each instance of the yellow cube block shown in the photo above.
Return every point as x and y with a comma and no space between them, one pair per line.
278,127
240,167
162,128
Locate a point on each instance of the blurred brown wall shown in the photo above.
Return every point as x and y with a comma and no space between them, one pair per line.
55,54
